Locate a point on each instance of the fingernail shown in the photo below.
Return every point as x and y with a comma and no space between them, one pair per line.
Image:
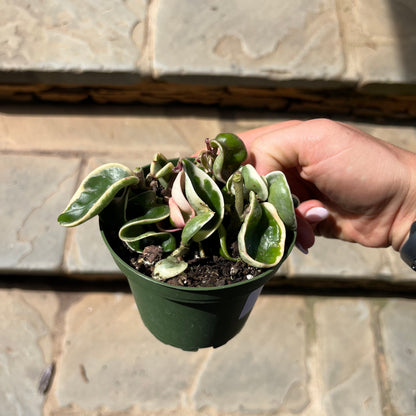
301,248
317,214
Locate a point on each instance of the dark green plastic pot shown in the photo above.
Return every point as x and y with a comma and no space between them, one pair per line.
193,318
188,318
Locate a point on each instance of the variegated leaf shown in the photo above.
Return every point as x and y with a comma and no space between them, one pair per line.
231,154
96,191
254,182
194,226
139,204
281,198
261,240
169,267
204,195
164,239
161,168
181,209
132,229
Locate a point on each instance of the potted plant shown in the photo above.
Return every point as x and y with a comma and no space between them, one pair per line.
173,224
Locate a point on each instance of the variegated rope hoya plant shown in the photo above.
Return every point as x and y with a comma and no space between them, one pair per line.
178,205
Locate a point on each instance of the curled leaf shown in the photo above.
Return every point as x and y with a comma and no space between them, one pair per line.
161,168
231,154
261,240
96,191
194,226
204,196
181,209
152,238
139,204
132,229
281,198
176,215
222,232
254,182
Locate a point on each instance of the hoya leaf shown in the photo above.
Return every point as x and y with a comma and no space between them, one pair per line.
164,174
139,204
178,189
134,228
192,229
204,195
164,239
222,232
254,182
281,198
169,267
176,216
158,162
96,191
231,154
261,239
161,168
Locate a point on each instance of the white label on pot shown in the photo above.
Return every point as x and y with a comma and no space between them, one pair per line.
251,300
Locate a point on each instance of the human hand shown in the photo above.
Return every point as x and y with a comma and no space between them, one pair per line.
351,185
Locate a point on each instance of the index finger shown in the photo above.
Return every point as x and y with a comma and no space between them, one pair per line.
250,135
274,147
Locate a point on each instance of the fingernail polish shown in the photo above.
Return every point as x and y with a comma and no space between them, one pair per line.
301,248
317,214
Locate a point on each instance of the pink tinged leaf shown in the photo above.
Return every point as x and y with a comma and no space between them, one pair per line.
162,228
179,197
176,214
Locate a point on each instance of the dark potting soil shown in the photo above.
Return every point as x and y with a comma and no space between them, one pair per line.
208,271
201,272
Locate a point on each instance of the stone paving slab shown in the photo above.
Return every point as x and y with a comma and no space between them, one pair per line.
33,190
120,43
25,349
347,357
297,355
397,320
67,37
338,258
380,37
261,41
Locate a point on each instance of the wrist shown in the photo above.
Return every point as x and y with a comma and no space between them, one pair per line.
406,214
408,250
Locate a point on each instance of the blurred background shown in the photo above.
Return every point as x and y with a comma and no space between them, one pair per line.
85,82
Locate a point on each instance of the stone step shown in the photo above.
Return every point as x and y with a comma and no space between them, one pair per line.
46,150
316,56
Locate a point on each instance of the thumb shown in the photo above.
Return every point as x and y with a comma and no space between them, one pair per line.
313,211
309,214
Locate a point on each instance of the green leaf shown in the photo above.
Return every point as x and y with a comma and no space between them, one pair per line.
132,229
222,232
204,195
231,154
139,204
168,268
164,239
261,239
96,191
161,169
281,198
254,182
193,227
